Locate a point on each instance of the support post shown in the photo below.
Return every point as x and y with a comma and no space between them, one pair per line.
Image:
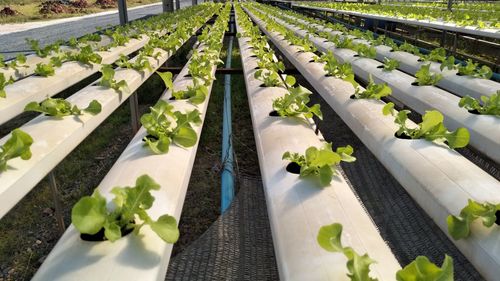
194,3
122,11
450,3
168,6
177,5
57,204
134,112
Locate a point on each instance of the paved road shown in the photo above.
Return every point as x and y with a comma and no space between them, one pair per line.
14,43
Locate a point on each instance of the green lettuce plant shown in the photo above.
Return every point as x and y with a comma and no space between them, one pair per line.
490,105
108,81
373,91
471,69
424,77
165,126
431,128
321,162
61,107
130,204
358,266
459,226
4,82
18,145
294,103
390,64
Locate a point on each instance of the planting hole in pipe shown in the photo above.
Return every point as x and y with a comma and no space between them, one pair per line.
99,236
497,214
293,168
274,113
402,136
187,75
172,98
380,66
474,111
356,56
150,137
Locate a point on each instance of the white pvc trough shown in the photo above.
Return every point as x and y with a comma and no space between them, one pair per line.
440,180
486,32
409,63
298,207
143,257
483,129
54,139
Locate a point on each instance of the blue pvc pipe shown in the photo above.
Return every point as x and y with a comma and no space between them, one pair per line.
227,177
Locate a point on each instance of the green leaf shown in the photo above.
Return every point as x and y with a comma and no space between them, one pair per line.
458,139
167,79
388,109
325,175
166,228
459,226
112,231
186,137
94,107
329,237
358,266
18,145
430,120
421,269
89,213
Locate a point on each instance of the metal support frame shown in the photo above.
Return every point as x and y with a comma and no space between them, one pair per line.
57,204
122,11
168,6
194,3
134,112
177,5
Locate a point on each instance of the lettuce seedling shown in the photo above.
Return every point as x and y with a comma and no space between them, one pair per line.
140,63
44,70
448,63
108,73
45,51
437,55
4,82
407,47
196,94
459,226
336,69
321,162
85,55
19,61
390,64
18,145
130,204
269,77
329,238
165,126
490,105
61,107
431,128
294,103
365,51
424,77
471,69
421,269
373,91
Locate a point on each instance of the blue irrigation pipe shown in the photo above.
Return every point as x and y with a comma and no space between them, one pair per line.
227,177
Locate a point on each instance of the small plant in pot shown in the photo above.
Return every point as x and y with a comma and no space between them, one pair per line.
96,222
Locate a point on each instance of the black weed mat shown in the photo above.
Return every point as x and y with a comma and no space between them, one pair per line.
238,246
